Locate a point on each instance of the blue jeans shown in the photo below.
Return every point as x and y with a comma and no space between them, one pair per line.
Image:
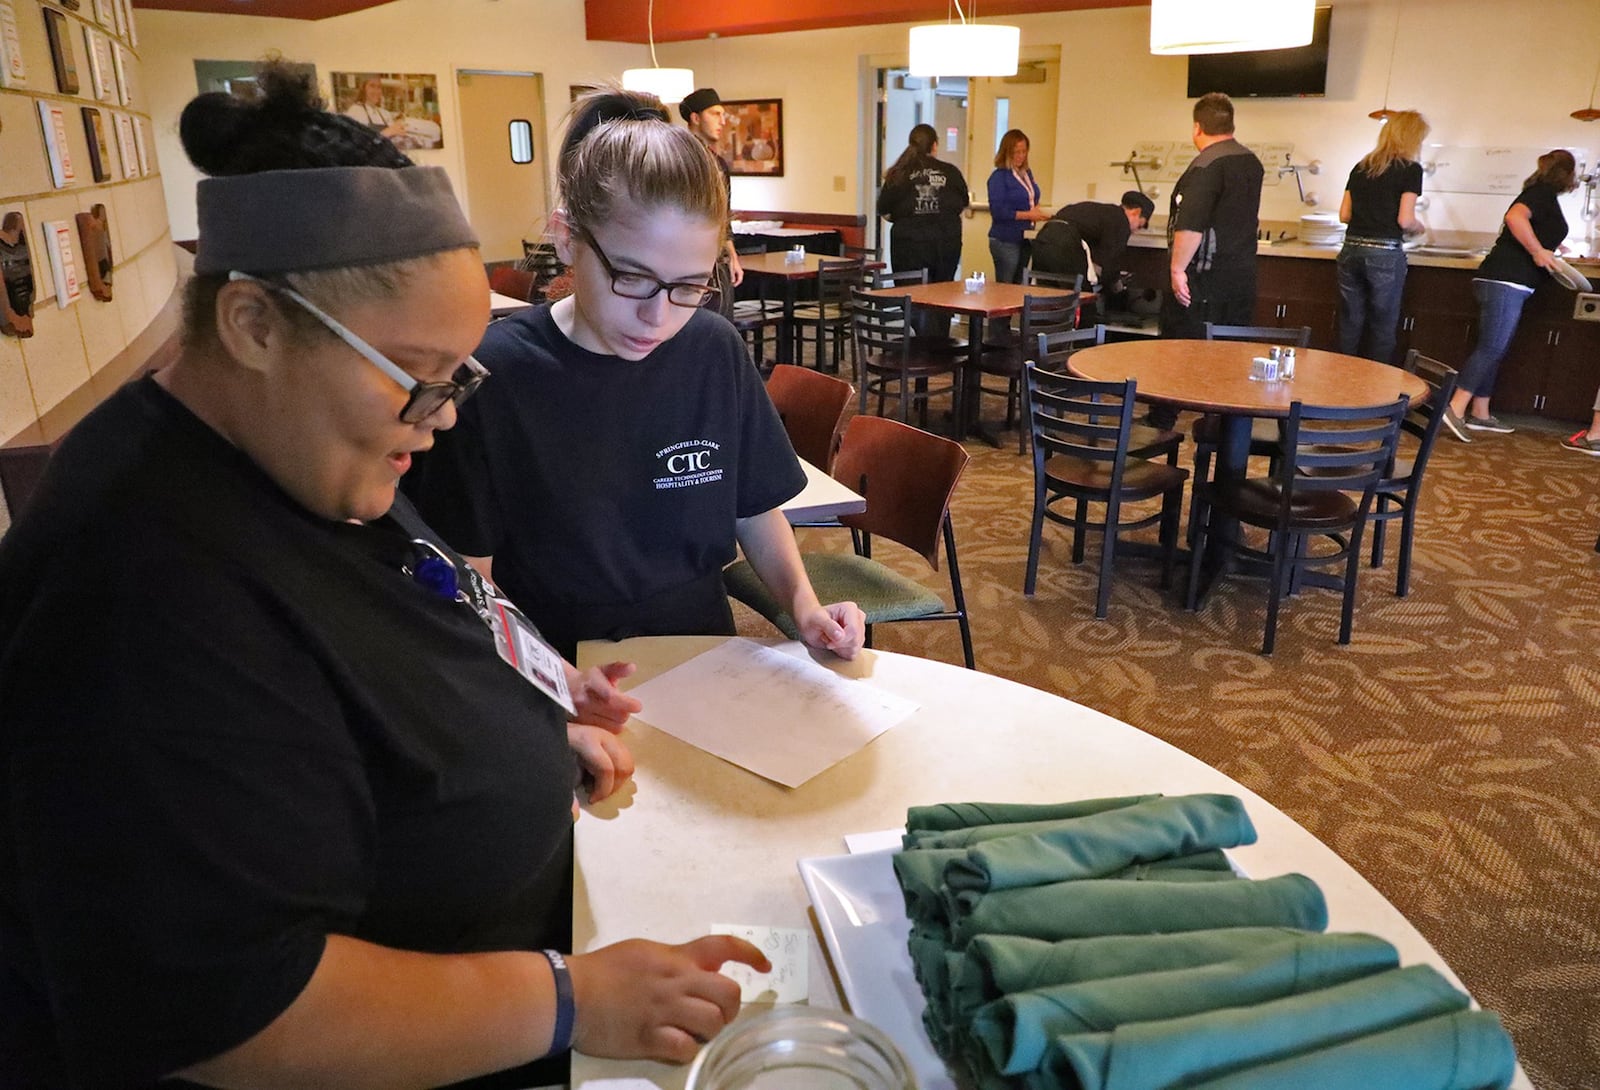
1499,311
1010,258
1371,280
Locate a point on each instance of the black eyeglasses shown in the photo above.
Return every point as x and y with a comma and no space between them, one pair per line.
635,285
426,398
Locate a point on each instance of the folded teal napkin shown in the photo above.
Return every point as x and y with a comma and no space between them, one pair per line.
1010,1035
1468,1050
1101,844
960,815
1107,906
1181,1051
998,965
921,877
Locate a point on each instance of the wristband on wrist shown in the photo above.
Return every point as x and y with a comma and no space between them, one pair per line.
566,1009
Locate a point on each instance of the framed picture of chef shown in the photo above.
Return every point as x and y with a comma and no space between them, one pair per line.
752,139
401,106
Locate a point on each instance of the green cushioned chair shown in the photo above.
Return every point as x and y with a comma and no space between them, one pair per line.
907,477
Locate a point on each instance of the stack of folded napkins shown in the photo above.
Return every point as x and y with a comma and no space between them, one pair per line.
1107,944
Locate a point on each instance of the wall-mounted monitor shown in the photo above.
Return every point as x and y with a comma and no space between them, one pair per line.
1270,73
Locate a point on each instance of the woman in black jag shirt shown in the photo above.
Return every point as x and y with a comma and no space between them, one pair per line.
274,811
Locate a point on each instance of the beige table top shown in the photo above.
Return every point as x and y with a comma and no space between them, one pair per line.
775,264
1214,376
695,841
822,498
991,301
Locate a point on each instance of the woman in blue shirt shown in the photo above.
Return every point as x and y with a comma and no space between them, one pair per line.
1014,204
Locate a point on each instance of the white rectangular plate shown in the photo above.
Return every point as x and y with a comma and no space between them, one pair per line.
863,918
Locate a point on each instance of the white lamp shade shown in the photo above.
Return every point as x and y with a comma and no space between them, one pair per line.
1229,26
965,49
670,85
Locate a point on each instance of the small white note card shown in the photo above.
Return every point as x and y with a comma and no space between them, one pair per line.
878,841
788,950
782,717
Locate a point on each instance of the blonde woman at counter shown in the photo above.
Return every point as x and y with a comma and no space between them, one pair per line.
1380,205
1519,262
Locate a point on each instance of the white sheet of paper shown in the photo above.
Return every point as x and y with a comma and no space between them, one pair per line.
779,716
881,840
788,950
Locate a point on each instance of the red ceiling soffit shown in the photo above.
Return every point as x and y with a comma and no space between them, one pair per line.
692,20
278,9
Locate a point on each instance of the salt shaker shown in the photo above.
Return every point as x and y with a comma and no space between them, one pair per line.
1286,364
800,1048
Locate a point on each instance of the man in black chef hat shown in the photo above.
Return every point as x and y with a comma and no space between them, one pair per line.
702,109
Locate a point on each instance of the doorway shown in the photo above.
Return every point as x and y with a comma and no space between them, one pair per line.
504,152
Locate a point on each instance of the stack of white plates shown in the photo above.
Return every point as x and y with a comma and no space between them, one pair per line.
1321,229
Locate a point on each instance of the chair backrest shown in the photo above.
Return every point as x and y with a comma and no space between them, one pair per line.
866,253
1299,336
1064,281
1055,347
1078,418
1327,449
878,325
540,259
811,405
512,281
907,476
883,278
835,279
1047,314
1425,418
743,245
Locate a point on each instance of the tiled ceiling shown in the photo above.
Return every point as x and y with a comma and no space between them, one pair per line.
281,9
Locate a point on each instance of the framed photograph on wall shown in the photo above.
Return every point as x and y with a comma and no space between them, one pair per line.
752,139
94,130
16,266
119,68
53,119
102,78
104,13
63,262
403,106
126,151
13,72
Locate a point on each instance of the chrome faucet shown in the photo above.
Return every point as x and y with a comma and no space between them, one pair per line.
1291,167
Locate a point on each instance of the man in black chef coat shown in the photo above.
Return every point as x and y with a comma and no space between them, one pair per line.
1105,228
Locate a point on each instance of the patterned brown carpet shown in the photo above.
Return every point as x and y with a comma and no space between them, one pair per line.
1451,752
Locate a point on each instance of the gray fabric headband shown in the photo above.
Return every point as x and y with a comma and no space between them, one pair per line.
326,218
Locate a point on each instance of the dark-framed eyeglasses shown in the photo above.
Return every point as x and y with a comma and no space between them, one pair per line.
638,285
426,398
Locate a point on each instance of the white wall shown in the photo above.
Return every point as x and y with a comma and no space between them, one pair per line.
1483,71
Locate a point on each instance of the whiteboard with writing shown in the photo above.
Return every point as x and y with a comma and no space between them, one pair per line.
1449,168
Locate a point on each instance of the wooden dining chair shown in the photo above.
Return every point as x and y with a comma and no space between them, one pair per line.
887,354
1040,314
908,478
1081,431
828,317
1330,461
540,259
1401,485
811,406
1207,431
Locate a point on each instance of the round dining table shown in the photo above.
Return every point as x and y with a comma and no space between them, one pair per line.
694,841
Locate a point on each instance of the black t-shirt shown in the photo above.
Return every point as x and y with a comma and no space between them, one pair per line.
1103,226
926,202
1220,197
231,728
1375,201
603,486
1508,260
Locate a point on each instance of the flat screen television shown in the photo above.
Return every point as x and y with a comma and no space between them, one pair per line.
1271,73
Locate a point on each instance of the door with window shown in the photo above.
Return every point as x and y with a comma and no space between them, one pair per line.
505,157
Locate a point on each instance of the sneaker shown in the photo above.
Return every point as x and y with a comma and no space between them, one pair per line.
1457,426
1489,423
1583,444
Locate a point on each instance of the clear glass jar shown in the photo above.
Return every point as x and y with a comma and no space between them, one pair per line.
800,1048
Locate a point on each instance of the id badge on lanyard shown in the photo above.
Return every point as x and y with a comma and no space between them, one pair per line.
515,638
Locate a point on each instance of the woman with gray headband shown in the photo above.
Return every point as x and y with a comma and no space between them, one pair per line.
275,813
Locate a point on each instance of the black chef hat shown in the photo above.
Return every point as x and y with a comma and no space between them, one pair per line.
699,101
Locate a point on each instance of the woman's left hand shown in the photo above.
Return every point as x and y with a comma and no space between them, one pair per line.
595,695
604,757
840,628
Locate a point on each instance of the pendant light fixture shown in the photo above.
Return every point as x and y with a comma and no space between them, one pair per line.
670,85
1589,113
1384,113
966,48
1229,26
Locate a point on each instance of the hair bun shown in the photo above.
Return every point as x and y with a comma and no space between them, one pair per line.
212,127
